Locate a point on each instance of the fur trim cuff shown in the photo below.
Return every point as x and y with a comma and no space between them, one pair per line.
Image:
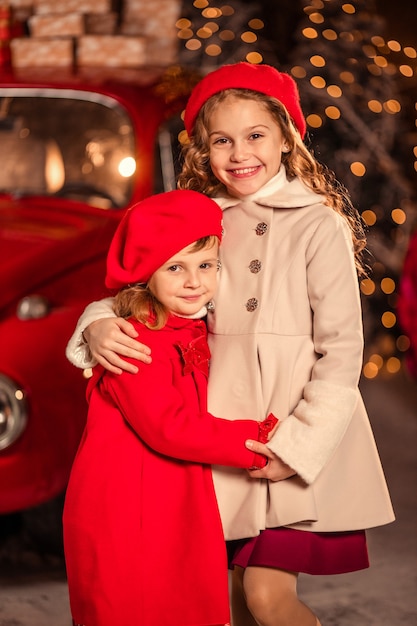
307,439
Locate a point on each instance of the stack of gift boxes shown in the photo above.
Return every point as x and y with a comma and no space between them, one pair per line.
94,33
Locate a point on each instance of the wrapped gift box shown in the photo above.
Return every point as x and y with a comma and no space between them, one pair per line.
154,29
101,23
47,52
72,6
57,25
145,18
111,51
162,51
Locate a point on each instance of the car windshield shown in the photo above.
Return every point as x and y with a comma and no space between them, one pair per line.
69,143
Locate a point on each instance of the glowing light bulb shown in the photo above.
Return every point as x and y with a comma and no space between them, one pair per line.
127,167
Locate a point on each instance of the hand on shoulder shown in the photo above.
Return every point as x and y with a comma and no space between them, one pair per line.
110,339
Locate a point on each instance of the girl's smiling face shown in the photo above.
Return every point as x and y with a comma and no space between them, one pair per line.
188,280
245,145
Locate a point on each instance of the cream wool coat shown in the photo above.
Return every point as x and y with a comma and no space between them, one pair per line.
286,337
298,354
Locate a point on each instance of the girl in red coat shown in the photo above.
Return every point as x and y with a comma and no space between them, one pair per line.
142,532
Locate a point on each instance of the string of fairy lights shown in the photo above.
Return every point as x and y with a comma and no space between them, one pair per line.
386,58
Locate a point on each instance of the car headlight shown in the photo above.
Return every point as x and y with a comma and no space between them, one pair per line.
33,308
13,413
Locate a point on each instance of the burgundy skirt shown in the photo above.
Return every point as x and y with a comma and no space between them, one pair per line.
301,551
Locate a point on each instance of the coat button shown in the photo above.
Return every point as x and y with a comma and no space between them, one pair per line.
261,228
251,305
255,266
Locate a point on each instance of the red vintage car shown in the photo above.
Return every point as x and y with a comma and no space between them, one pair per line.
75,152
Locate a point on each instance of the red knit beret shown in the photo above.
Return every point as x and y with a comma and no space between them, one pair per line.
262,78
153,230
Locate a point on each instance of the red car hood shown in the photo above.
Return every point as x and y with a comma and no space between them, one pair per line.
39,241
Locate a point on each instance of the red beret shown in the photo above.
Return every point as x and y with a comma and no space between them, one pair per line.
153,230
262,78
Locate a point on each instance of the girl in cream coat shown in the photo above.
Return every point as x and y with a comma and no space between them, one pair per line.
298,355
285,337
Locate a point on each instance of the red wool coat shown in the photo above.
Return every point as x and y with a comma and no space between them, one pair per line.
142,532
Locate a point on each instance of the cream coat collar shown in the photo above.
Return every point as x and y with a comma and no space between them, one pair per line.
279,192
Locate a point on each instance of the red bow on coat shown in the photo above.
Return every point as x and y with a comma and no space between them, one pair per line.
196,355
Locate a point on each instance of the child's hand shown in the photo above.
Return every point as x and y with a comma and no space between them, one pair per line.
111,338
275,469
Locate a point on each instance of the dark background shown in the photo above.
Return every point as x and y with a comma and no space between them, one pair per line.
401,16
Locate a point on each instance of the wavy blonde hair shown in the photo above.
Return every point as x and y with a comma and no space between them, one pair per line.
197,175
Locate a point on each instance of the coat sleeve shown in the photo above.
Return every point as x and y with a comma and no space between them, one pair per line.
307,439
77,351
163,419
